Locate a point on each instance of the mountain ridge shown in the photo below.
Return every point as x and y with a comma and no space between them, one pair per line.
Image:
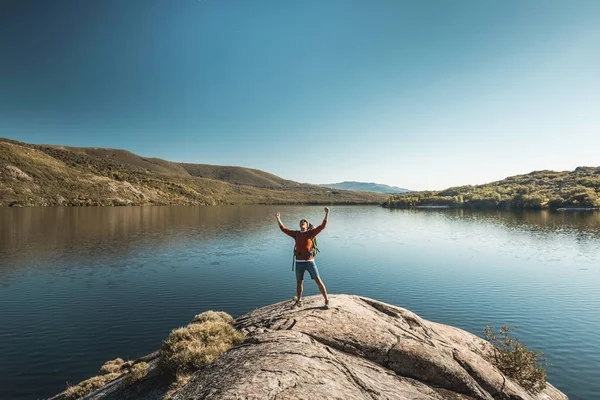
54,175
366,187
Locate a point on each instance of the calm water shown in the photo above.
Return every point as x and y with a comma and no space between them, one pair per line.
79,286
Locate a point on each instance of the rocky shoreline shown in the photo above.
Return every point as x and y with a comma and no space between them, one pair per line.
360,348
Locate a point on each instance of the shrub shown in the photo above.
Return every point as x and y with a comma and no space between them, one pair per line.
213,316
136,372
515,360
89,385
192,347
111,366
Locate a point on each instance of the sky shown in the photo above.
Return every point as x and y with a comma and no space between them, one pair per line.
418,94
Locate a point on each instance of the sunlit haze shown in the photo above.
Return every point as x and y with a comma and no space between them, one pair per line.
416,94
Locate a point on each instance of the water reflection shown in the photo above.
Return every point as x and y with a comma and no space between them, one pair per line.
587,222
37,232
28,234
546,227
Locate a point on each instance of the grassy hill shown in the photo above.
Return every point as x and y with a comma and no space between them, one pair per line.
365,187
49,175
537,190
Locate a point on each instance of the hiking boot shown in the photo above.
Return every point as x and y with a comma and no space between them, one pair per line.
326,306
297,303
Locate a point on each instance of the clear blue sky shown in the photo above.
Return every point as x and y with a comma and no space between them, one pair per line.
419,94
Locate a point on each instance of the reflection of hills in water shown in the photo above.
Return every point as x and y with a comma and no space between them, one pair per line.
586,222
35,233
61,236
540,235
549,221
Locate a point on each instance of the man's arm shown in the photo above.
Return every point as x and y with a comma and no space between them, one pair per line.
285,230
319,228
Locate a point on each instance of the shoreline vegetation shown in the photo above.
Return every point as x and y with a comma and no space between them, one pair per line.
49,175
538,190
186,350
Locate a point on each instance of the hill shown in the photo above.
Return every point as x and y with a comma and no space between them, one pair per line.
365,187
537,190
51,175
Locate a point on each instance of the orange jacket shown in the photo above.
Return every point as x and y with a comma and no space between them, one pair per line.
304,240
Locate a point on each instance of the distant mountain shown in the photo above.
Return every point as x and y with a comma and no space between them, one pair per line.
50,175
366,187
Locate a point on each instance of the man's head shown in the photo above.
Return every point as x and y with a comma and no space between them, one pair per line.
304,225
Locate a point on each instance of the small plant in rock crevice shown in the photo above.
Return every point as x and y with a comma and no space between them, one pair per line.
516,360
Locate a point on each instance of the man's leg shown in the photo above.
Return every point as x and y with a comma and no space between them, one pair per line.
321,287
299,290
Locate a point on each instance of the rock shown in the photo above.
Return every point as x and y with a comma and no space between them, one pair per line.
16,173
360,348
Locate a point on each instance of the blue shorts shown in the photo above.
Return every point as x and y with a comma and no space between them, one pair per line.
309,266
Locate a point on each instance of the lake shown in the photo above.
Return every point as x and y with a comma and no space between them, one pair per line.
80,286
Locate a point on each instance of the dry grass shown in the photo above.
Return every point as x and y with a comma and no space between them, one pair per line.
89,385
111,366
192,347
137,372
109,371
213,316
178,383
185,351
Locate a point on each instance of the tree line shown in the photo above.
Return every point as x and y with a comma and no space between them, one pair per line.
537,190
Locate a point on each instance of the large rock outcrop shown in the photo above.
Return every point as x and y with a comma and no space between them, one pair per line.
358,349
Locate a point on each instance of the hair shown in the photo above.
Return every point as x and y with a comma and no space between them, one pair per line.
310,226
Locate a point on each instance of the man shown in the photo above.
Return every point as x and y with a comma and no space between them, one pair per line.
305,254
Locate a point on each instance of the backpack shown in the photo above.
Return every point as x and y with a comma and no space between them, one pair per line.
313,250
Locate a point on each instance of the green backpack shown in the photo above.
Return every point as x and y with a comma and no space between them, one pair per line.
313,250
